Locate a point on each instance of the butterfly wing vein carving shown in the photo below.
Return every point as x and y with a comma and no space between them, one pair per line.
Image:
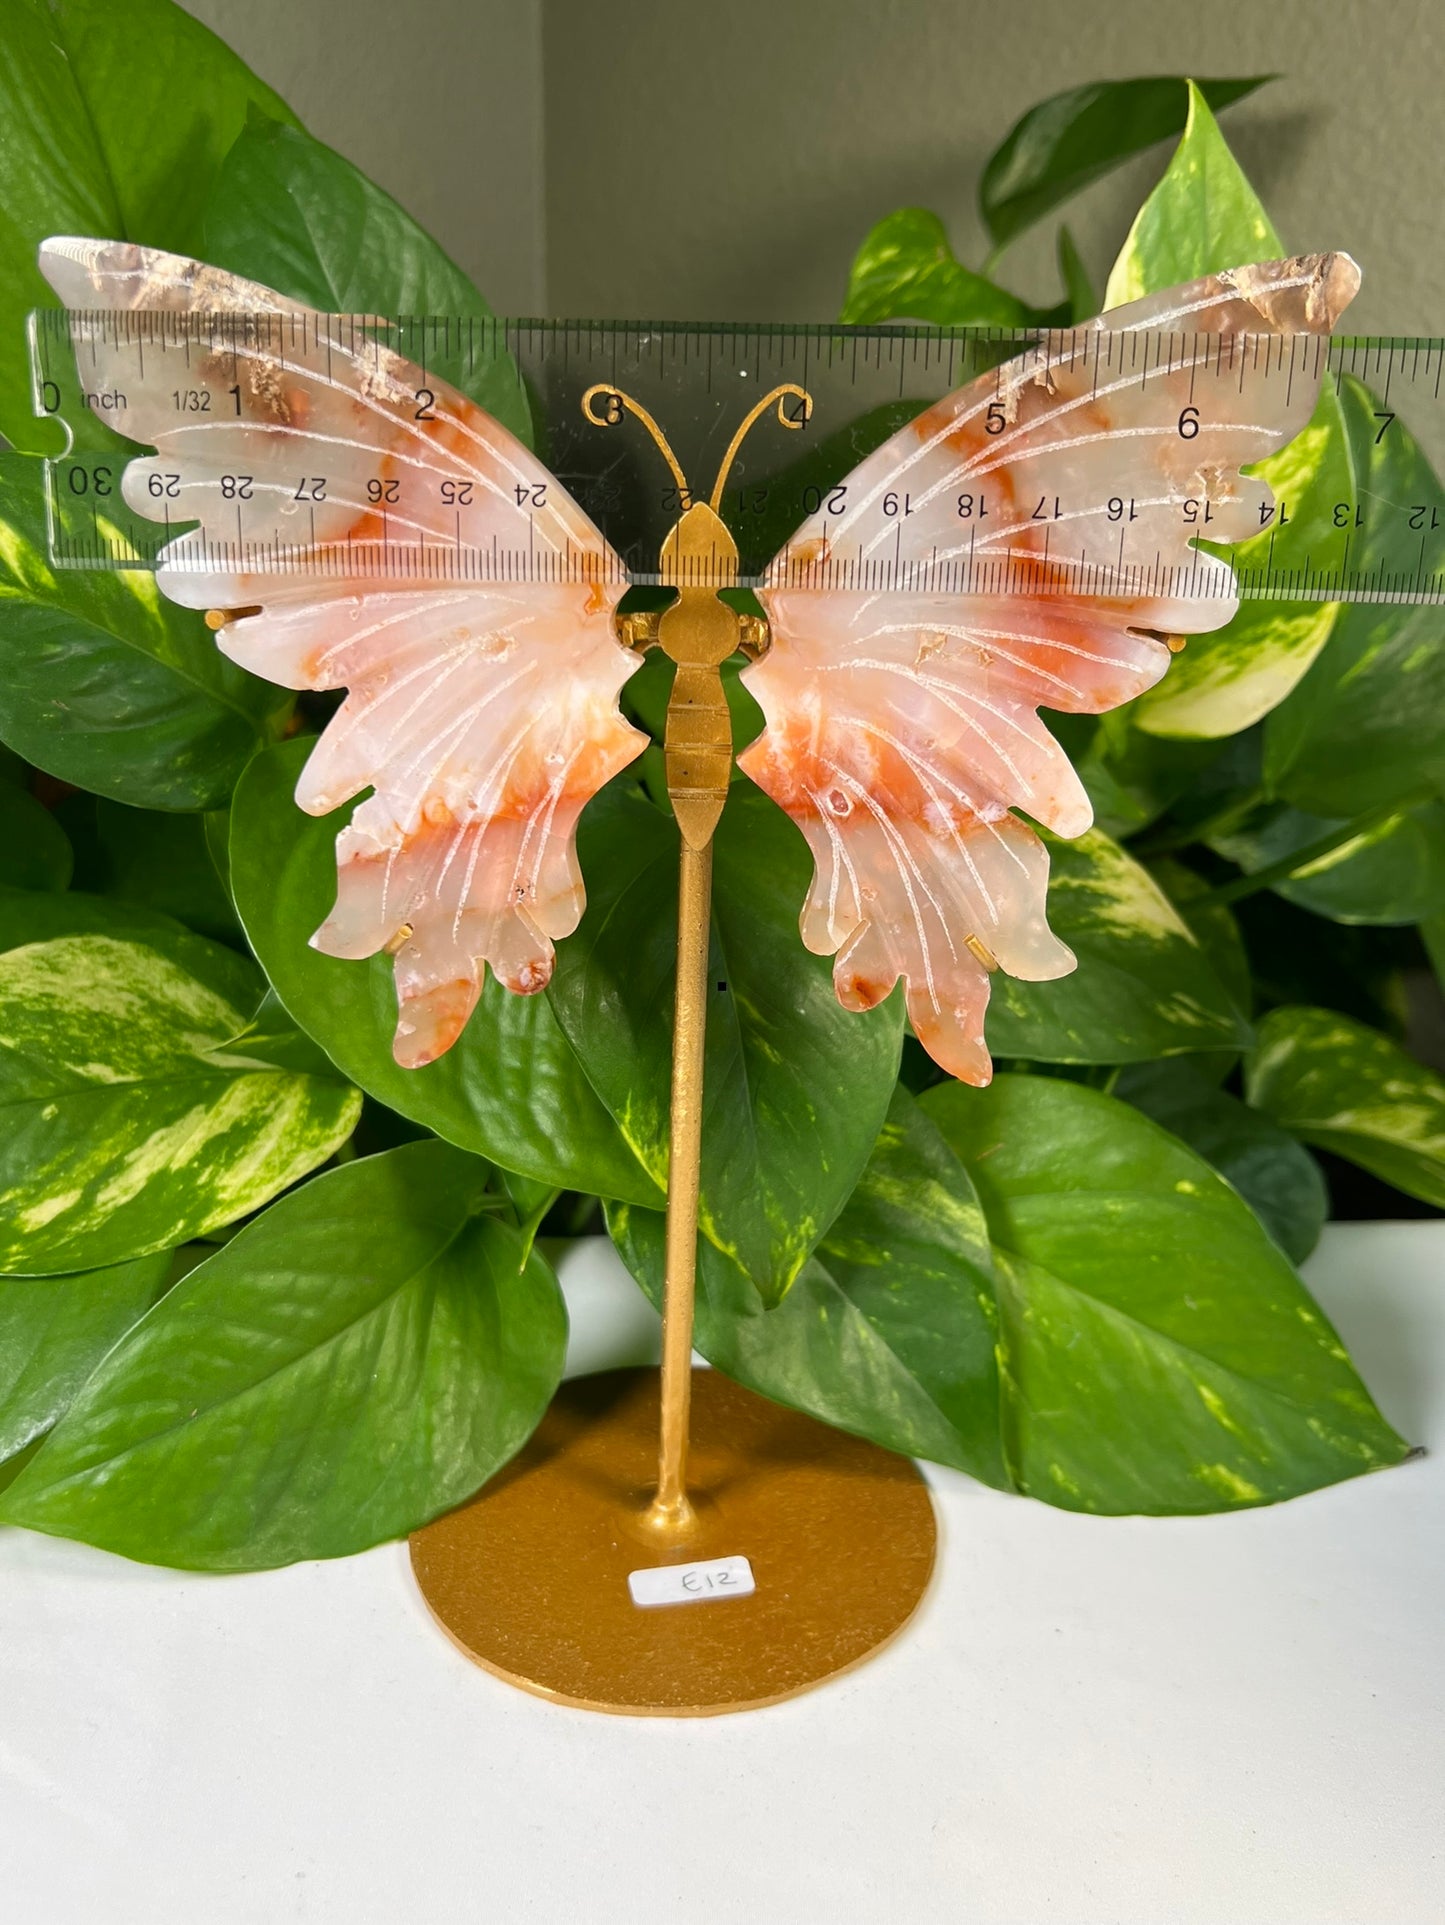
903,729
482,718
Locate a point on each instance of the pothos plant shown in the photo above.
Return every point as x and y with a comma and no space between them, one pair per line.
264,1295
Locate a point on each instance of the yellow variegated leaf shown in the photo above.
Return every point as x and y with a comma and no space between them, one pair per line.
1144,985
1202,217
1345,1087
139,1112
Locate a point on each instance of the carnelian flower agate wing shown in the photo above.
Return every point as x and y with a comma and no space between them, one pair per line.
482,717
903,726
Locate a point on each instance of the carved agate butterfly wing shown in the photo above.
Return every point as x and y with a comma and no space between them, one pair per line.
483,718
903,727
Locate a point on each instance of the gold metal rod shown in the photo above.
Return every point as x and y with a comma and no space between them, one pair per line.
671,1514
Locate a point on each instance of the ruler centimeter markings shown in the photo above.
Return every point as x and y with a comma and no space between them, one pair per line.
699,381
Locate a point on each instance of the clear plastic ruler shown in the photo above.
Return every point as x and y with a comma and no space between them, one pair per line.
1376,535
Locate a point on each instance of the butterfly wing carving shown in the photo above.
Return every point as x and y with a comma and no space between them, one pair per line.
482,717
903,727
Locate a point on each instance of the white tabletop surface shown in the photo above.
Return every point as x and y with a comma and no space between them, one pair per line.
1221,1719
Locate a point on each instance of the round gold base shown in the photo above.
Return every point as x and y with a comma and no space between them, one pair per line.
530,1577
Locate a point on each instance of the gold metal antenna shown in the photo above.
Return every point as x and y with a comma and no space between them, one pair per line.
787,390
616,404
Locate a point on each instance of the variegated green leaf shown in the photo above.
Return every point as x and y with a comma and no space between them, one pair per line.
1203,216
136,1116
1063,143
1345,1087
1274,1173
906,270
1363,727
55,1330
29,915
358,1359
1159,1352
104,682
1144,985
1154,1350
1212,924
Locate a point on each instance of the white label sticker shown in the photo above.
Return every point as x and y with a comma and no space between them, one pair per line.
692,1583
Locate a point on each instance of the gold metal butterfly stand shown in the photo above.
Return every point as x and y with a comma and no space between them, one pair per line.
531,1578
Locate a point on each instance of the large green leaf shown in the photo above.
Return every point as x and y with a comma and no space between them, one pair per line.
1347,1088
1161,1354
357,1360
510,1089
1144,986
164,862
1363,727
1276,1176
115,119
53,180
293,214
1073,138
165,98
1392,870
137,1116
1202,217
906,270
105,683
889,1330
796,1086
35,852
55,1330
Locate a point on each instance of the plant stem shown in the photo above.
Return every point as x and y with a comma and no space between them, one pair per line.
1336,838
1228,817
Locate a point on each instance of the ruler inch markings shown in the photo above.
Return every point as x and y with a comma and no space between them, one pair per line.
846,369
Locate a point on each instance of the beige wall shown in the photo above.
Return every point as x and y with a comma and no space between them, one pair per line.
724,160
440,101
671,158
